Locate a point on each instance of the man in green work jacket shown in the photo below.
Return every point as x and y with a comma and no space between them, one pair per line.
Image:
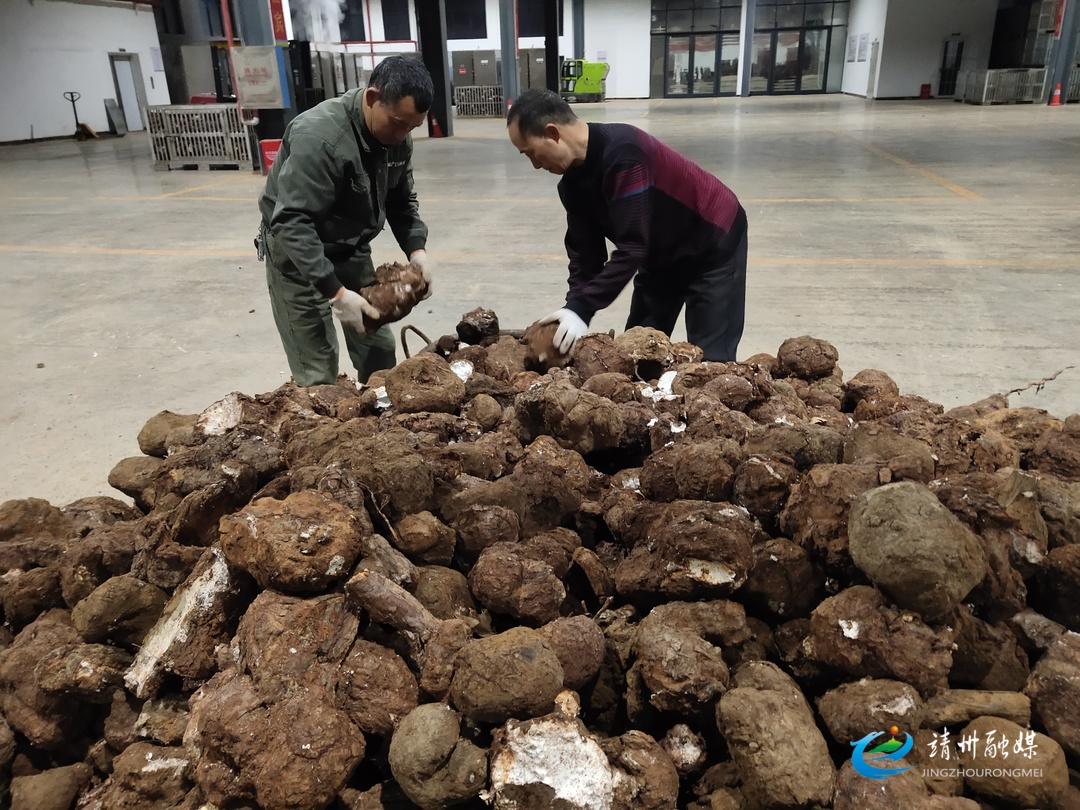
343,170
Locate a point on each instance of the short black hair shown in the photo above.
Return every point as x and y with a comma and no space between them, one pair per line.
399,76
535,109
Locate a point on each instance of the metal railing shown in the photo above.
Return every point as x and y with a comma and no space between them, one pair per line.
200,135
1008,86
482,101
1072,92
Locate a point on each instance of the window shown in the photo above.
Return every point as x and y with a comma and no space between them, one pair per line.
465,19
395,15
352,21
531,17
168,17
695,16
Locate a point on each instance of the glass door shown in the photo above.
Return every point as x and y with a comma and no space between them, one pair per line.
785,74
677,74
761,63
813,60
703,67
729,64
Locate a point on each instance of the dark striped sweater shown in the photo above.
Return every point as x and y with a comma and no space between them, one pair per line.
667,217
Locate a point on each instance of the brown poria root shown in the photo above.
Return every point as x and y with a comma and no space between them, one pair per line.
697,583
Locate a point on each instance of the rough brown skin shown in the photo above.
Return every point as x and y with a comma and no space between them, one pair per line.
769,727
857,633
444,592
784,582
295,753
649,349
166,429
597,354
135,478
397,289
54,789
614,386
1056,586
509,583
542,352
425,384
122,610
701,471
104,552
485,410
33,519
806,357
432,763
695,548
512,674
303,544
477,325
579,644
914,549
25,594
283,641
852,708
45,720
425,539
908,789
504,359
647,778
1054,689
1016,790
987,656
817,509
375,688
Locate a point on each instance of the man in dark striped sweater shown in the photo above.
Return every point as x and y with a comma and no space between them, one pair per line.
678,231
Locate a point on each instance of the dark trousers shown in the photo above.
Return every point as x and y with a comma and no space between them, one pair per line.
306,325
715,301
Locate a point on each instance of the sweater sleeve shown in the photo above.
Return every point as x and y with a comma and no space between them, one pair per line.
627,189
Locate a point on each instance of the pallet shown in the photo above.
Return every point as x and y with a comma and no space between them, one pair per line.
205,167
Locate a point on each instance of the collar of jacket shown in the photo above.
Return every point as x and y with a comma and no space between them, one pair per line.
354,104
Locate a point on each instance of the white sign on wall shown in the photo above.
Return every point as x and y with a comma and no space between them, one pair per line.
864,46
257,77
852,45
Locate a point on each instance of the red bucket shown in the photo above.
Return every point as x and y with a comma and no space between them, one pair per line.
268,149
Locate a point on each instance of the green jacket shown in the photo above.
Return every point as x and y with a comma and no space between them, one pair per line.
332,189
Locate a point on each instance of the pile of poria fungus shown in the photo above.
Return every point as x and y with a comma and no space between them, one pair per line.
635,581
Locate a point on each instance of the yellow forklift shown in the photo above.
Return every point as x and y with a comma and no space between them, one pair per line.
584,81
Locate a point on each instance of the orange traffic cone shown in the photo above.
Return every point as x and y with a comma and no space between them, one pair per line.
436,130
1055,97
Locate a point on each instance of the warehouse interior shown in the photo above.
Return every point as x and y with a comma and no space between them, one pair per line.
908,170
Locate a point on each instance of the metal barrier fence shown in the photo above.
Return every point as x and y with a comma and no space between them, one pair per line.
479,102
1072,92
1009,86
200,135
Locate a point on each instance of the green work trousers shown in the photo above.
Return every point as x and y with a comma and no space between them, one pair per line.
306,325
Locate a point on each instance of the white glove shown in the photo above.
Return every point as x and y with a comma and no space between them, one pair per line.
421,262
571,329
351,307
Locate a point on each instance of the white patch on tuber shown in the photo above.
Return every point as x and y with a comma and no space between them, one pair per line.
553,752
710,572
897,707
337,565
463,369
222,416
849,628
382,401
183,611
167,764
664,384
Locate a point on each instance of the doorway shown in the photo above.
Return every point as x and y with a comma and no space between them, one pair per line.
130,92
790,61
951,58
699,65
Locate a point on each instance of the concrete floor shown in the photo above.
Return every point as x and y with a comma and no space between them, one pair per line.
933,240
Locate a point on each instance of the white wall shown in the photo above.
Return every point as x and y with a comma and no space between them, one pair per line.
866,17
55,45
617,32
915,35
